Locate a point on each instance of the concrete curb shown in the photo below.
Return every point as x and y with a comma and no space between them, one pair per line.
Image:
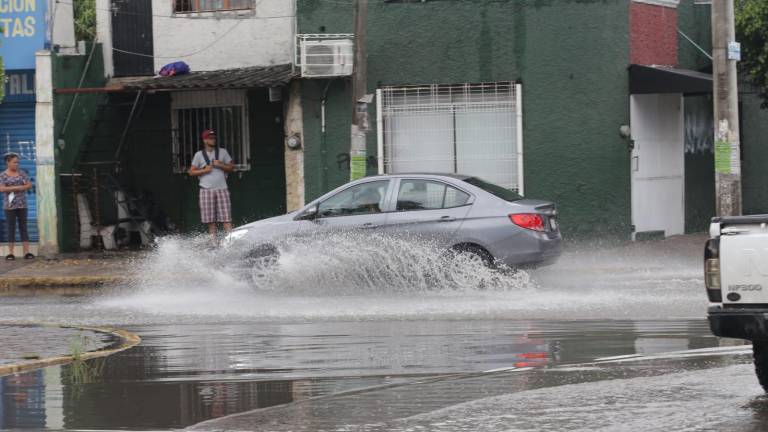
129,339
16,282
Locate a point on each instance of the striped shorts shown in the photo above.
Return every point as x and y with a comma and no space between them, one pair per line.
215,206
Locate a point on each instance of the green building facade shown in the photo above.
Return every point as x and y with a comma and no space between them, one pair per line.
571,59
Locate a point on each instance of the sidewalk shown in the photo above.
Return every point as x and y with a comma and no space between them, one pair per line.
82,270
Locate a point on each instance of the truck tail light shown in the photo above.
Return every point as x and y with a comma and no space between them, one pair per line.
531,221
712,271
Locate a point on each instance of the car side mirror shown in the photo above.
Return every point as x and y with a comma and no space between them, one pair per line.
310,213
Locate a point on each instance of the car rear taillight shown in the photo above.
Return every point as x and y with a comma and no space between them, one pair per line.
531,221
712,271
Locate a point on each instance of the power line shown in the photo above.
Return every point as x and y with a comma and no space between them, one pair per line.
183,55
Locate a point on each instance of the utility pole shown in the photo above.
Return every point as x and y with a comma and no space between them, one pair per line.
357,151
725,54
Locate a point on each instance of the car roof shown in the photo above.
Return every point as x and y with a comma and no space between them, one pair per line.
422,174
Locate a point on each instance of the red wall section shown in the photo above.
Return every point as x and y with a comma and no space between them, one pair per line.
653,35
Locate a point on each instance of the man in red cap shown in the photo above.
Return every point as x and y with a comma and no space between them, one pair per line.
212,164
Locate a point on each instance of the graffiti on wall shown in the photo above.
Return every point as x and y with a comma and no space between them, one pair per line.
699,124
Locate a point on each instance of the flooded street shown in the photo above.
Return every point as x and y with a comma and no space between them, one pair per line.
599,341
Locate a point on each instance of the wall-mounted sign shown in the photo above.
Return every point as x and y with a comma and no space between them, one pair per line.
24,30
20,86
734,51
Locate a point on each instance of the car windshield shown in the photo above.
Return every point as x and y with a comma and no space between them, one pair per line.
503,193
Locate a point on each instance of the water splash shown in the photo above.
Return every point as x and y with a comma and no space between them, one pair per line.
322,274
364,276
320,264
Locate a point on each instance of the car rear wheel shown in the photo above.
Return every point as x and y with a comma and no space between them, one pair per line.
473,254
760,355
468,265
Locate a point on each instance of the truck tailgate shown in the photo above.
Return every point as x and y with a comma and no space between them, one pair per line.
744,265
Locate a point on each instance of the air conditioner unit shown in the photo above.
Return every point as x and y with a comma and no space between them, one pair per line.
326,58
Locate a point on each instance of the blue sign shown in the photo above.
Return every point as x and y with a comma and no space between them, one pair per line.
24,30
19,86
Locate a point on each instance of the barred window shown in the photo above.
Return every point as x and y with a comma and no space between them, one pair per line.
472,129
186,6
224,111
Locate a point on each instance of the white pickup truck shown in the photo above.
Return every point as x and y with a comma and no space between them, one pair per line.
736,277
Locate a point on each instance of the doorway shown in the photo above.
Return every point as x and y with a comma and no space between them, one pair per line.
657,164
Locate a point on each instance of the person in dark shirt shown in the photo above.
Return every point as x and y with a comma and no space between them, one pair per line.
14,184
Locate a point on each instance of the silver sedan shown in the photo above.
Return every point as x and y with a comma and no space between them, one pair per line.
462,214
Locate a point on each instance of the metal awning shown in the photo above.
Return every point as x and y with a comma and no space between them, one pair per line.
664,79
249,77
239,78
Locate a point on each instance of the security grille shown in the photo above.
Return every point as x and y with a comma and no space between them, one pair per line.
471,129
183,6
224,111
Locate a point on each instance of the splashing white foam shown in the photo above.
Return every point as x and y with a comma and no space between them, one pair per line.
358,275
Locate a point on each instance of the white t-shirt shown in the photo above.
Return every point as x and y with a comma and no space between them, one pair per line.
216,179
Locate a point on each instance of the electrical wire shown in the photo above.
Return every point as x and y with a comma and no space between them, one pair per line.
183,55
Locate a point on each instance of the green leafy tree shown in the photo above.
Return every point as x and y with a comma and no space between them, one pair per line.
85,19
752,32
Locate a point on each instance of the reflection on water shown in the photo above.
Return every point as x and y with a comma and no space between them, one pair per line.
22,401
111,404
184,374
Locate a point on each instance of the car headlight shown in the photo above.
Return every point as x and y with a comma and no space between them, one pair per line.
234,235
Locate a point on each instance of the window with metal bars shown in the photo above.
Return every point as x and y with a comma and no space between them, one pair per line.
186,6
472,129
224,111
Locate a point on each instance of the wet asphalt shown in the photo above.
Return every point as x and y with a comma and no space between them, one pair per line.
607,339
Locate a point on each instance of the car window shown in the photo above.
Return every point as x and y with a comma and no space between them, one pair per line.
505,194
455,197
428,195
364,198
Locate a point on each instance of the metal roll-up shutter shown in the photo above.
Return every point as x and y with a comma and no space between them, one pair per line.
17,134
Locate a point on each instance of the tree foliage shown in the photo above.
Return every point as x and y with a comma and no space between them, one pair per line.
752,32
85,19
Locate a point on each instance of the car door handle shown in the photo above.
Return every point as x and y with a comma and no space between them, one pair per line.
369,225
446,219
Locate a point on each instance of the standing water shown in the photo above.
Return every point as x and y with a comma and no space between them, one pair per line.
336,312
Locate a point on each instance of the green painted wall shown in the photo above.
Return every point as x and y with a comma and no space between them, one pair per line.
67,73
695,21
146,169
571,57
699,163
754,152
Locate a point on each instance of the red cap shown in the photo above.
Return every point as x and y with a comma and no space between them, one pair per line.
208,133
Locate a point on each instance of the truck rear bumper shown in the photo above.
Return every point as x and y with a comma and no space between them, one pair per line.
747,324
